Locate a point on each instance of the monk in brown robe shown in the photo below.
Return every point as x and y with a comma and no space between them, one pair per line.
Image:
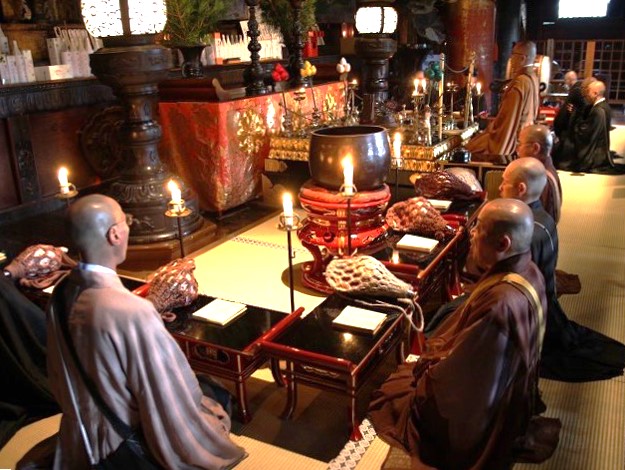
519,108
536,141
469,397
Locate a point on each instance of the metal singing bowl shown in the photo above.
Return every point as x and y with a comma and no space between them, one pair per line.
368,146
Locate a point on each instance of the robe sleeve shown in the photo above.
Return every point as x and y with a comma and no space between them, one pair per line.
467,383
183,428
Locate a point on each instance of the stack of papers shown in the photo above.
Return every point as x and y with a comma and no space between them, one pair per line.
416,243
440,204
220,312
360,320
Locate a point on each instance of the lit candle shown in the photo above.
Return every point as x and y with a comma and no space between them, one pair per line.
176,196
348,175
354,83
416,82
395,257
287,210
424,85
63,181
478,87
397,148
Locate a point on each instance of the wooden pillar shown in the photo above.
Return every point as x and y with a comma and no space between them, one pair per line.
471,27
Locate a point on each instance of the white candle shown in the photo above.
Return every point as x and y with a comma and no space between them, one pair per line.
176,195
395,257
397,148
478,87
63,181
416,82
287,210
348,175
424,85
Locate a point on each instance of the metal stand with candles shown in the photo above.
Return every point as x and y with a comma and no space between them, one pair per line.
289,222
398,161
348,192
254,84
67,191
178,210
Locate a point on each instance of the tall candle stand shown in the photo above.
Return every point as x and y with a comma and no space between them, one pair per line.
178,210
397,165
348,192
67,193
290,224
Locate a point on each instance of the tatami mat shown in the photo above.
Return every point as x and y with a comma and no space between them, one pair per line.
592,245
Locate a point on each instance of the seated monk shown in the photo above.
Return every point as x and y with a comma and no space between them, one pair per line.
536,141
519,108
468,401
571,352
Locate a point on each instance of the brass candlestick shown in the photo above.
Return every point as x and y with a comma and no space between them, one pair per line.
288,227
178,210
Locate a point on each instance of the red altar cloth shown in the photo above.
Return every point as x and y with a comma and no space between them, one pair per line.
219,148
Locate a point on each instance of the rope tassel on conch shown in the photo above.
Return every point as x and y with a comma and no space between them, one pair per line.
365,276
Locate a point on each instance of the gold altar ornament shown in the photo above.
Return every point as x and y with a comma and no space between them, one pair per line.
250,131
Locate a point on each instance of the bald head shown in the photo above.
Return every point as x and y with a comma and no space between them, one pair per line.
570,78
595,91
523,55
535,141
99,229
504,229
524,179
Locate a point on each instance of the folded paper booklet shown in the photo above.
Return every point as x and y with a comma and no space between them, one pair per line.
440,204
220,312
416,243
359,320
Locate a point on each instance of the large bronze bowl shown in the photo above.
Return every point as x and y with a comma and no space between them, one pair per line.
368,146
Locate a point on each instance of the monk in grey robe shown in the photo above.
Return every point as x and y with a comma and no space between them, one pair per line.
469,397
518,109
135,364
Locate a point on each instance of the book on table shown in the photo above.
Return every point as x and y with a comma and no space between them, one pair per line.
221,312
440,204
416,243
359,320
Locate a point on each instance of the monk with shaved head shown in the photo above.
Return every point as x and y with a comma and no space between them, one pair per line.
571,352
592,132
132,361
467,401
536,141
518,109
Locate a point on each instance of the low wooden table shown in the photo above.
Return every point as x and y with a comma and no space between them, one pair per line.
231,352
319,355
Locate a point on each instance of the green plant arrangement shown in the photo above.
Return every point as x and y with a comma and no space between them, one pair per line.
279,14
190,21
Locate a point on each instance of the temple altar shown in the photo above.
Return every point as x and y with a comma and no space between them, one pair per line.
219,148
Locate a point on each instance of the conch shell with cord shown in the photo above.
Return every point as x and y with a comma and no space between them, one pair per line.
366,276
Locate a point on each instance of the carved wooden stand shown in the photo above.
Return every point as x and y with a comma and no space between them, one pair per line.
133,71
